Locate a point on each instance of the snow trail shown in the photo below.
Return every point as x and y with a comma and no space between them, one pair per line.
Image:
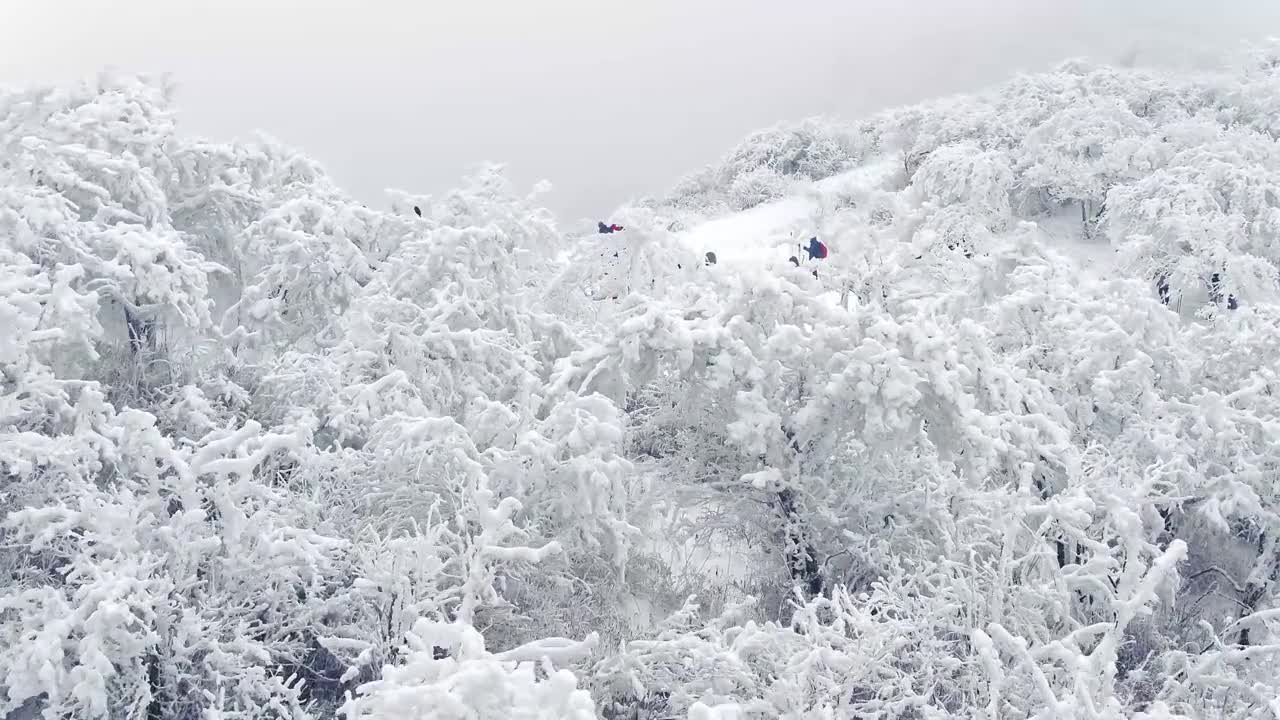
762,235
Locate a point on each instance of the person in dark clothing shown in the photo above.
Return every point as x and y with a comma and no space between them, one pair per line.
711,258
1215,292
604,229
1162,287
816,250
417,211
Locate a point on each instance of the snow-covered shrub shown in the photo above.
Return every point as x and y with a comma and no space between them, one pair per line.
964,174
450,674
755,187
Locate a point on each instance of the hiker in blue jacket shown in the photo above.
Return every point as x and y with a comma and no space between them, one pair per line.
816,250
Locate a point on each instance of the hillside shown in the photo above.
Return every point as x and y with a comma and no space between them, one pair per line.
1012,452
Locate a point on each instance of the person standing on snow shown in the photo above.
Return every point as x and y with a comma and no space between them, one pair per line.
816,250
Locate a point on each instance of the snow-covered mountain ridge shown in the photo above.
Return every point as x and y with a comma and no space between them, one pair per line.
1012,451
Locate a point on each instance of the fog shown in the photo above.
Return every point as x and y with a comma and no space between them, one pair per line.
608,100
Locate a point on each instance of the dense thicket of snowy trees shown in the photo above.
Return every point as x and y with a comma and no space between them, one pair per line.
270,453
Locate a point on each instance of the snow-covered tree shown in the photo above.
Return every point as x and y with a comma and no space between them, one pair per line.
1081,152
268,451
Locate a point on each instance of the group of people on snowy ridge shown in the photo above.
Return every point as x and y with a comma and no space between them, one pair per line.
816,250
1215,291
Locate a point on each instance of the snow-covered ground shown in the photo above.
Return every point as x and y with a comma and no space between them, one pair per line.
766,235
1095,257
1063,234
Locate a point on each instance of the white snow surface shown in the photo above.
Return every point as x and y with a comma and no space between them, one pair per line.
766,235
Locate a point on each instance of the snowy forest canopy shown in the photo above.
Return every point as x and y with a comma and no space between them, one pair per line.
270,453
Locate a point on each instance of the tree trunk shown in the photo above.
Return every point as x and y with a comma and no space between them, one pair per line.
141,331
802,556
155,708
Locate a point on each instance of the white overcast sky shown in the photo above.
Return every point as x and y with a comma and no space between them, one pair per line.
607,99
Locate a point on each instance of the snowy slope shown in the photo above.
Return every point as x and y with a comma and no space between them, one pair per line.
766,235
1096,258
762,238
